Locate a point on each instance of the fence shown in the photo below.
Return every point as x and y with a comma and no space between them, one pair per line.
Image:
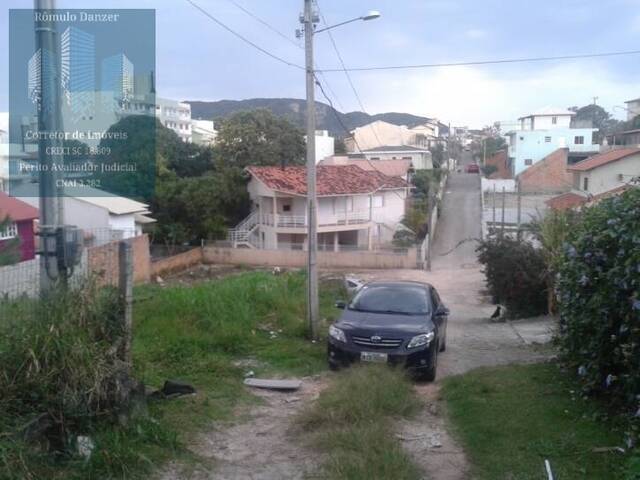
100,262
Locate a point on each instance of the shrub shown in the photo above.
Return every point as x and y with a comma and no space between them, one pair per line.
599,299
515,273
489,170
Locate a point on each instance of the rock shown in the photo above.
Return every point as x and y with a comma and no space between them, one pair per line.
159,279
172,387
434,441
433,409
273,384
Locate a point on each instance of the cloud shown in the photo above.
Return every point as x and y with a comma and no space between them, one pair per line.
475,33
478,96
635,24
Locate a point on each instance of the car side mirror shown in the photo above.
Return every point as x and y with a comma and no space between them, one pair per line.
442,311
341,305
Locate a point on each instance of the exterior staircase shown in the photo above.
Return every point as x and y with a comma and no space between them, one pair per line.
243,235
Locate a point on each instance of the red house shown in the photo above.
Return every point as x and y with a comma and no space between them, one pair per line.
21,225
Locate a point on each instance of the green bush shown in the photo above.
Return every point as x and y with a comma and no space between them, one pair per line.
599,299
515,273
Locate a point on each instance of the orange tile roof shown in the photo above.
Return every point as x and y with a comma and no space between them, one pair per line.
566,201
330,179
15,209
602,159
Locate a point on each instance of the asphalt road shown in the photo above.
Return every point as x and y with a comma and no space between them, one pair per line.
459,220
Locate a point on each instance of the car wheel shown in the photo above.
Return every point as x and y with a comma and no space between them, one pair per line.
430,374
443,345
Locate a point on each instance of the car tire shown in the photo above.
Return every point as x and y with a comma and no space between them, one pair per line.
430,374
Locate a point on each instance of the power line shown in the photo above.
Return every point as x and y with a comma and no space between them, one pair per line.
288,39
485,62
266,24
346,72
243,38
324,94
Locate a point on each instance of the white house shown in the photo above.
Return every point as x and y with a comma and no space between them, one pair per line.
390,168
633,108
325,145
379,133
102,216
420,158
203,132
607,171
357,209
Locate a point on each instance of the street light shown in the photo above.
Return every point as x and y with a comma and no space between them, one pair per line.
308,18
371,15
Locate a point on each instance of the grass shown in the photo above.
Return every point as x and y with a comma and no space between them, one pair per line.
209,335
352,423
509,419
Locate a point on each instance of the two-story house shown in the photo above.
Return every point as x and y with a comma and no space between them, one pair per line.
420,158
539,134
356,209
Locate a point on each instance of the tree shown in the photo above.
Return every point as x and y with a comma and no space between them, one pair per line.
259,138
597,117
339,146
437,155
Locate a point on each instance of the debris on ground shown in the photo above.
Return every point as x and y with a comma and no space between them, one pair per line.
352,284
273,384
84,446
177,387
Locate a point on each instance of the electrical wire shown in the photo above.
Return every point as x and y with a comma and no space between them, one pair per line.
243,38
288,39
485,62
346,72
324,94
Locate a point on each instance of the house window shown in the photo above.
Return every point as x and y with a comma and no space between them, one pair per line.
585,184
407,158
10,231
547,139
342,204
528,161
286,208
521,139
374,158
554,120
378,201
578,140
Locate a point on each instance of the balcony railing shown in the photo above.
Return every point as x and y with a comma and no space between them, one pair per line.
300,221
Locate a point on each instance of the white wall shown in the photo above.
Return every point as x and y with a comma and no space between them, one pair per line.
325,145
509,185
545,122
419,160
607,176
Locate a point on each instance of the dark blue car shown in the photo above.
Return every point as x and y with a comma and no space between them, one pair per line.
398,323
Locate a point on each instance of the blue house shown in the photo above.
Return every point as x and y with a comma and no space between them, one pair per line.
541,133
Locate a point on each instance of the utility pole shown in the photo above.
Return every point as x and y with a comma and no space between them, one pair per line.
49,121
312,237
519,200
484,152
504,195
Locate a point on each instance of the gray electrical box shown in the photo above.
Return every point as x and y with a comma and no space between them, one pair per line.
69,245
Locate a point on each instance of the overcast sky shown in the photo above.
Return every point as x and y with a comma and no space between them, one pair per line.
198,60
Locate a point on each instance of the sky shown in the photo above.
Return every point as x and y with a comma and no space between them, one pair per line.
199,60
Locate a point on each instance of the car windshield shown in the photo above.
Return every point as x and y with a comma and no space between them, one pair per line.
402,299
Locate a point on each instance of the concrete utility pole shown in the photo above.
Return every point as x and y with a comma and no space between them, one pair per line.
49,120
312,235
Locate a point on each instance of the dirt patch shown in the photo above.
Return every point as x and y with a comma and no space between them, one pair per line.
263,446
427,440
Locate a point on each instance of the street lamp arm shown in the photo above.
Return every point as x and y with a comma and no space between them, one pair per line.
338,24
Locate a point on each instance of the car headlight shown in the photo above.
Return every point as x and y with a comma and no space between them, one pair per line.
420,340
337,334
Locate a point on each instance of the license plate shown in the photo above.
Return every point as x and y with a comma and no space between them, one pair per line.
373,357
